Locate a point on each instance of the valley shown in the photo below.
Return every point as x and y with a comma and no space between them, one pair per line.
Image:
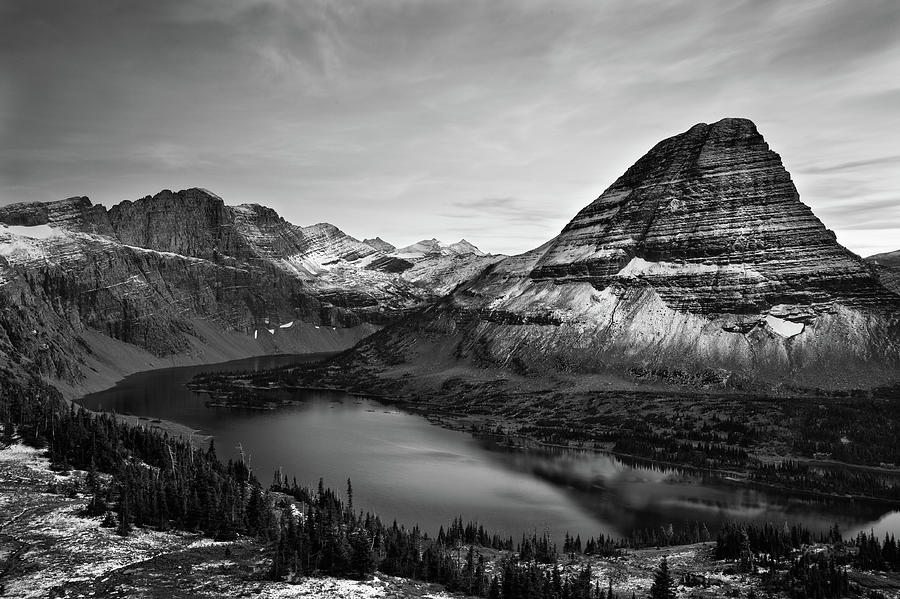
693,361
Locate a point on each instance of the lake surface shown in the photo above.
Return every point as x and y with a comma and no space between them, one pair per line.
405,468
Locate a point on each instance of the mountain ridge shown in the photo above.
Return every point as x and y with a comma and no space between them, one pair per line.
181,277
700,265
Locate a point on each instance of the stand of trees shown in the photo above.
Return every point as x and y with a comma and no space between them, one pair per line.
831,480
734,541
163,482
873,554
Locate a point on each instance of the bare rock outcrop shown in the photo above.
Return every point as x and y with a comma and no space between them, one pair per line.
699,264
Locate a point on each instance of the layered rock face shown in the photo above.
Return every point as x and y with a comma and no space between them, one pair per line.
700,263
712,220
182,274
76,214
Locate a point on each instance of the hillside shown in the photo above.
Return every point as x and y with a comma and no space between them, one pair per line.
700,266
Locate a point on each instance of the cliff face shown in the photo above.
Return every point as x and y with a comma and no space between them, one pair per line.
699,264
181,275
712,221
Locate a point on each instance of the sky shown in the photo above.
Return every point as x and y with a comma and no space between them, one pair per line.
492,120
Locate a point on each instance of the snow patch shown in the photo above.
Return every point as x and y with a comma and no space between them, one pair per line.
286,325
35,232
785,328
25,244
639,267
433,247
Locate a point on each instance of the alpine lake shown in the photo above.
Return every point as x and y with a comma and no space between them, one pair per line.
404,467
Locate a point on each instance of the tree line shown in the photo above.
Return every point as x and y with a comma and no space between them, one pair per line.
155,480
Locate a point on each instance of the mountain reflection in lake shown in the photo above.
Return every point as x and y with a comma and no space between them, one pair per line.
406,468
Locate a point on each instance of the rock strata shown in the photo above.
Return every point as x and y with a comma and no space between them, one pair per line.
699,263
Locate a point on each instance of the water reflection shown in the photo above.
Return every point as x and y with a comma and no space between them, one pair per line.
406,468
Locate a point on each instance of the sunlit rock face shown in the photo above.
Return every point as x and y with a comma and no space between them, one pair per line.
699,264
712,221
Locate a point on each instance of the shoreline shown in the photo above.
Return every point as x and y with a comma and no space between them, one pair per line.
173,427
455,421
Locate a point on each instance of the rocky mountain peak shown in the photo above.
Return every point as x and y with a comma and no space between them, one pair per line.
191,222
699,264
434,247
464,247
711,219
380,244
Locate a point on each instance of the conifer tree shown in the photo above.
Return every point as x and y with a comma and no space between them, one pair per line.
124,515
663,585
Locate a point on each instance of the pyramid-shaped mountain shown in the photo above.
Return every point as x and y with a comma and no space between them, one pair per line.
699,264
711,219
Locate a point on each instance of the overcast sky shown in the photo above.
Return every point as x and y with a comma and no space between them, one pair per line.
492,120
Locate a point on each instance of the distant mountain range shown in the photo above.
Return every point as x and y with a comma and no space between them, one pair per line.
699,266
180,277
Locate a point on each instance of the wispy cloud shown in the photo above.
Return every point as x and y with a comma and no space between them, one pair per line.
852,165
503,210
499,119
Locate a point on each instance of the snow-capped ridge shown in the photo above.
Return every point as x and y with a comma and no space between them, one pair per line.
434,247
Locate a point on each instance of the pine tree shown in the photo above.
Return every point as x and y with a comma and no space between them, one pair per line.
663,585
361,556
7,437
124,516
494,590
746,552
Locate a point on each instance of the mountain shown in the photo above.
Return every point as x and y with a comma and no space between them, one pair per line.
433,247
380,244
699,265
887,266
89,294
438,266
